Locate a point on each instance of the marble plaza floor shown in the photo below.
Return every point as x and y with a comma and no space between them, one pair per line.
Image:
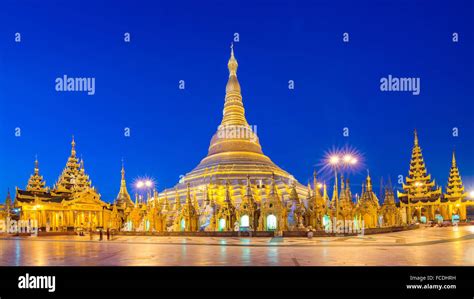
425,246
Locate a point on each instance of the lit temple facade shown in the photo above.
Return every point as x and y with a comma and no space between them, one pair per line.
71,204
422,200
236,187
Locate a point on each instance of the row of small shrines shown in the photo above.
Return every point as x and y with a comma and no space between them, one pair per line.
271,212
73,203
83,209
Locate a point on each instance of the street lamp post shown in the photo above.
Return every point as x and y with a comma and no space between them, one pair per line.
146,185
336,161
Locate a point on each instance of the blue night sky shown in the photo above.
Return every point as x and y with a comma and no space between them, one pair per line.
336,85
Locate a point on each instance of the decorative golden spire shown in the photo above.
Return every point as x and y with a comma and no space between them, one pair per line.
416,138
315,184
232,64
188,194
455,188
36,182
234,112
36,165
369,182
293,194
177,200
123,197
249,187
227,192
273,189
325,192
73,147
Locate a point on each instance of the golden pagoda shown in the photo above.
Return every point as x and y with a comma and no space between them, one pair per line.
226,212
123,199
343,208
248,211
234,153
187,218
391,215
318,204
368,205
455,198
273,212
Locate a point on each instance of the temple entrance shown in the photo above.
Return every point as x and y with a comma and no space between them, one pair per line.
182,225
147,225
326,221
221,224
415,218
455,217
271,222
244,221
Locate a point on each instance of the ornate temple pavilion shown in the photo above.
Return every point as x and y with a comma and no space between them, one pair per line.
72,203
422,200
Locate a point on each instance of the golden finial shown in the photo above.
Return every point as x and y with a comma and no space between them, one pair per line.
73,147
416,138
123,171
232,64
454,159
36,165
369,181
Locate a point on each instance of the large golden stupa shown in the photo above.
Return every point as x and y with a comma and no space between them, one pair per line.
234,153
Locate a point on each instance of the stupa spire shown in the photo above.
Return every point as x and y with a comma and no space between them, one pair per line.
36,165
455,188
315,184
234,112
415,138
249,187
73,147
369,182
123,196
177,200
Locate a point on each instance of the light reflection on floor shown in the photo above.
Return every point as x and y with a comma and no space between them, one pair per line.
426,246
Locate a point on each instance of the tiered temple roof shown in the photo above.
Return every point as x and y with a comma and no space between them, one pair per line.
73,178
36,182
455,188
419,186
368,197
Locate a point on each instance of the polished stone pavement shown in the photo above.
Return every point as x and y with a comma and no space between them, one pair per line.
432,246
